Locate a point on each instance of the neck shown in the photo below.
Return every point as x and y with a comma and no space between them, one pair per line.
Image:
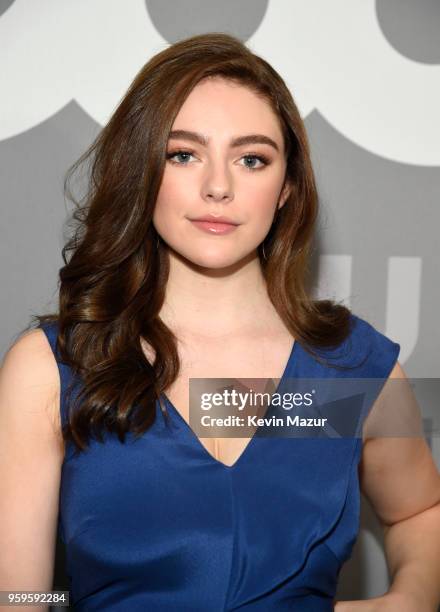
215,303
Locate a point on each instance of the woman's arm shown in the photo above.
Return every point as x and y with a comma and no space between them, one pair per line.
413,553
31,455
399,477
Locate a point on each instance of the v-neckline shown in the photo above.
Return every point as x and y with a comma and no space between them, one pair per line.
245,452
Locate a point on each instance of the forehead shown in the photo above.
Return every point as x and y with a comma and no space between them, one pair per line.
220,107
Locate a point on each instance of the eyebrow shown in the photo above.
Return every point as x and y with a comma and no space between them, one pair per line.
234,142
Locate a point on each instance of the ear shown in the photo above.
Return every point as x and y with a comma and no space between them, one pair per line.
285,192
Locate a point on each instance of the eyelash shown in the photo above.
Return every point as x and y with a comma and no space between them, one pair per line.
262,158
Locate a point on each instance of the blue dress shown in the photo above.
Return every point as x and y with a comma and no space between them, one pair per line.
158,524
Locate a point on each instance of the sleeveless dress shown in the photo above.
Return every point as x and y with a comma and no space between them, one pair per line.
158,524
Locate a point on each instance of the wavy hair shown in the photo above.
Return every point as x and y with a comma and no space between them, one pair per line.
112,286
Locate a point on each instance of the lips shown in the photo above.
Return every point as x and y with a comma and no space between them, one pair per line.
214,219
215,227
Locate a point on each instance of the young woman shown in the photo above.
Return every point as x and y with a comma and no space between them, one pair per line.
190,260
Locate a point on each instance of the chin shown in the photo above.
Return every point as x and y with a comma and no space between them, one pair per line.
214,261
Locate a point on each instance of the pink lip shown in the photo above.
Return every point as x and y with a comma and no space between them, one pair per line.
215,228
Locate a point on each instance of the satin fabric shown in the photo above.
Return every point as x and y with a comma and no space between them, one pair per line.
159,524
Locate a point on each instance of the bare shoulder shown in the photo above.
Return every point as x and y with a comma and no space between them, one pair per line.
397,371
30,463
372,422
392,463
29,377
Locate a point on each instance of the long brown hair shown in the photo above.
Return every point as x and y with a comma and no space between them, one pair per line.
112,288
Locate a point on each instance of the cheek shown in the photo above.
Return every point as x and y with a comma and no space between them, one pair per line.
264,190
169,203
163,212
262,206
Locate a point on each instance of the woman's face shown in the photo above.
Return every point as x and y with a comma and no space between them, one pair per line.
208,174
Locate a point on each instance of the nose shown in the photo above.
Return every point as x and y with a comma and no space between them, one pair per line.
217,184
